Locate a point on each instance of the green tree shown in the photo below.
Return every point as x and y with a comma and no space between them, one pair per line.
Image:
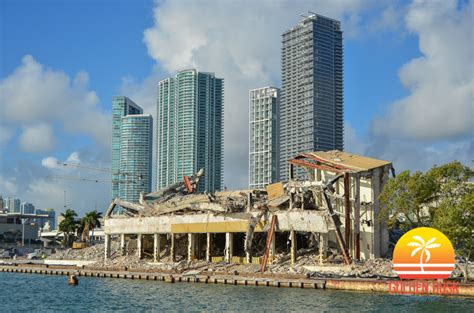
90,221
442,198
408,195
68,227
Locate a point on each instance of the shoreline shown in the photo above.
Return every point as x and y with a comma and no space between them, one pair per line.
265,280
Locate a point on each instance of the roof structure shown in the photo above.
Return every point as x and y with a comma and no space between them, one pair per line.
337,161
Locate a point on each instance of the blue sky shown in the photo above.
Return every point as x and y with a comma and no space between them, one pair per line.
81,53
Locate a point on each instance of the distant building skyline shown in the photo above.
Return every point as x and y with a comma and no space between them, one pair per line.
121,106
311,108
13,205
51,217
264,106
27,208
136,145
190,129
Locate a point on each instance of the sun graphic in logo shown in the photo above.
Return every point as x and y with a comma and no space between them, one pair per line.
423,253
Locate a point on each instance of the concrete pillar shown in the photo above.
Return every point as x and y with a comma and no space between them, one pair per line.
347,211
319,198
357,218
208,247
323,244
172,247
271,254
229,246
191,247
122,244
375,184
156,247
249,202
140,246
107,247
293,248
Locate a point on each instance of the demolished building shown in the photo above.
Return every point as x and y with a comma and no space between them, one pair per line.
251,226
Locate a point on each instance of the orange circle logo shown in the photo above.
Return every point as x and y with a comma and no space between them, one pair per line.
423,253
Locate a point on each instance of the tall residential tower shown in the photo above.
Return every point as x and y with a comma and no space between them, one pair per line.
312,88
121,107
264,104
190,129
135,156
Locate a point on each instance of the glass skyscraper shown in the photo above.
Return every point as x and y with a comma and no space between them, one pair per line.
311,109
135,156
190,129
27,208
121,106
264,106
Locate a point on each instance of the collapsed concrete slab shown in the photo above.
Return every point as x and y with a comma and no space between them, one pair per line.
330,197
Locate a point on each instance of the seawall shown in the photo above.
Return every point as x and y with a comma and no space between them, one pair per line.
266,280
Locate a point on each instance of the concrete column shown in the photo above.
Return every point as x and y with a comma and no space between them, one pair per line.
357,218
229,246
271,253
293,247
122,244
375,184
323,244
249,202
191,247
347,211
208,247
140,246
156,247
172,247
107,247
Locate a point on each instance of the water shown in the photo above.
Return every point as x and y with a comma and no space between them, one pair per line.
30,292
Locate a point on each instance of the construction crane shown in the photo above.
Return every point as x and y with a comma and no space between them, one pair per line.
79,165
98,169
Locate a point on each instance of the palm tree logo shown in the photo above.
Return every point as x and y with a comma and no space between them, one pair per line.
424,247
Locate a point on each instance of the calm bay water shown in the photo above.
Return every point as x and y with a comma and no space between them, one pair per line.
29,292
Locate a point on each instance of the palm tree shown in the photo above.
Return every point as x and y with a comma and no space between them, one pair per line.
91,221
68,226
423,247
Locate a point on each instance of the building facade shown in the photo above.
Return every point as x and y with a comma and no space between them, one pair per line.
190,129
135,156
264,105
121,106
312,89
51,217
27,208
13,205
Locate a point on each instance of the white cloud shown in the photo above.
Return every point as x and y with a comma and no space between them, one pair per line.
441,82
352,141
50,162
8,186
5,134
53,163
37,138
34,95
81,195
239,41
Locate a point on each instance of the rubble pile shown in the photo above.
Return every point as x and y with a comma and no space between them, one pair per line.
91,253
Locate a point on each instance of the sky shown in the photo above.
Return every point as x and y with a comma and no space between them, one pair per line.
408,80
